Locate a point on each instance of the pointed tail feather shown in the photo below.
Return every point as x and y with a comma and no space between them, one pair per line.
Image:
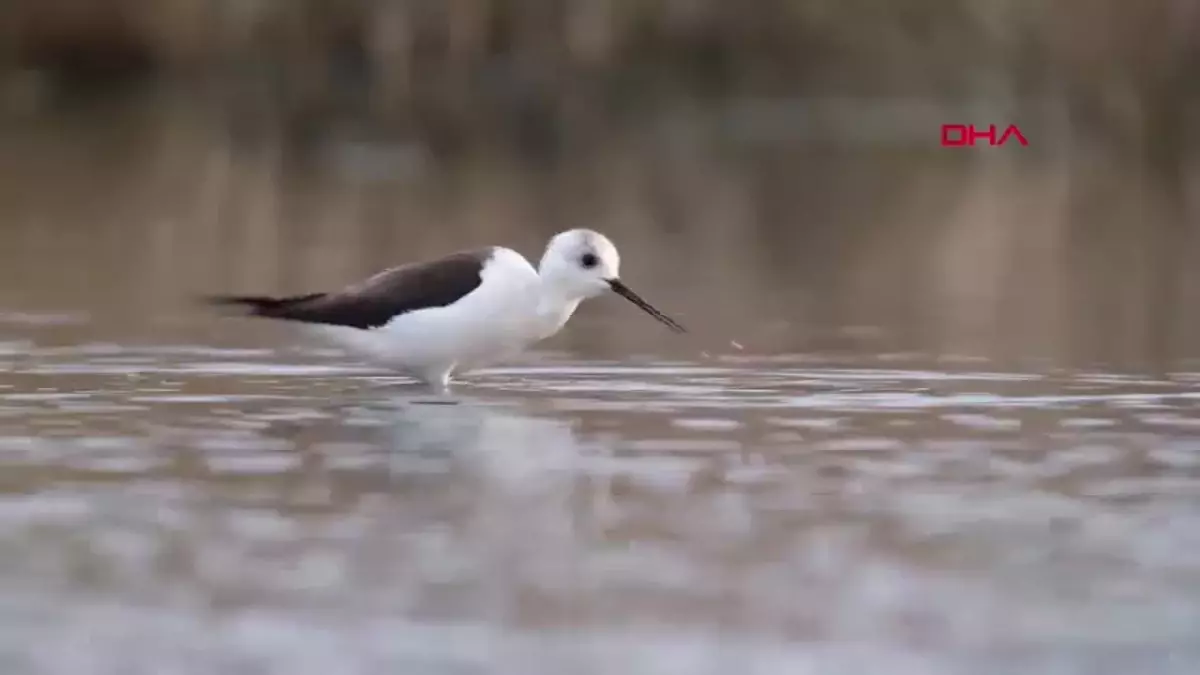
261,305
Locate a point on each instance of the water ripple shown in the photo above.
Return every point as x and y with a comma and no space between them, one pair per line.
234,509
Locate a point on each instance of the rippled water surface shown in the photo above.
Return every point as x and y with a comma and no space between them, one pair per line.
200,510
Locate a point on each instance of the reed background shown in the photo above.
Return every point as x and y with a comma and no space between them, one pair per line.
778,160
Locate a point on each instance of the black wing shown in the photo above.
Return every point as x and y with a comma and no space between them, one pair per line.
381,298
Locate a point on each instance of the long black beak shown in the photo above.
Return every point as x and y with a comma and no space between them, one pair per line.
622,290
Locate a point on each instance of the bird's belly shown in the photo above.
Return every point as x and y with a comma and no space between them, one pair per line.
492,345
437,336
375,345
504,339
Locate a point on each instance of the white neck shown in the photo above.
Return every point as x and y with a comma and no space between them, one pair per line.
554,307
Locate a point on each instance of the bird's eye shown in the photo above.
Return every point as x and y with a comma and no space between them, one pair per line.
589,260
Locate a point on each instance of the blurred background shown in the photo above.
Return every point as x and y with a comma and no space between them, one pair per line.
784,154
963,418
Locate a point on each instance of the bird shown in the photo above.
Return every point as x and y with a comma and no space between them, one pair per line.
439,318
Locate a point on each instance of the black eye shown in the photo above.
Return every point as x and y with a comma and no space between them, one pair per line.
589,260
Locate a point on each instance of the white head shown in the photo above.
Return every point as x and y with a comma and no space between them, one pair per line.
579,263
582,264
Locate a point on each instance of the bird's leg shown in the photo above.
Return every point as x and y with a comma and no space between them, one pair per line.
437,378
438,381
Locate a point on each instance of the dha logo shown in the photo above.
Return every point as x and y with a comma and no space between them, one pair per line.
966,135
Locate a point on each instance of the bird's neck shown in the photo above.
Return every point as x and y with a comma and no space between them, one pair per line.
554,307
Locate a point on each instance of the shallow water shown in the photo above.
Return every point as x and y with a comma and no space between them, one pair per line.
197,509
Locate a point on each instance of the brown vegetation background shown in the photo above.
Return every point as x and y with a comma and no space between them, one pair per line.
785,150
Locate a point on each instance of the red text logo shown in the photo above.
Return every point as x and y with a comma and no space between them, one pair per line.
960,135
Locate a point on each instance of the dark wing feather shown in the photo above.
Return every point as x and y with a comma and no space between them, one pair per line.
377,300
